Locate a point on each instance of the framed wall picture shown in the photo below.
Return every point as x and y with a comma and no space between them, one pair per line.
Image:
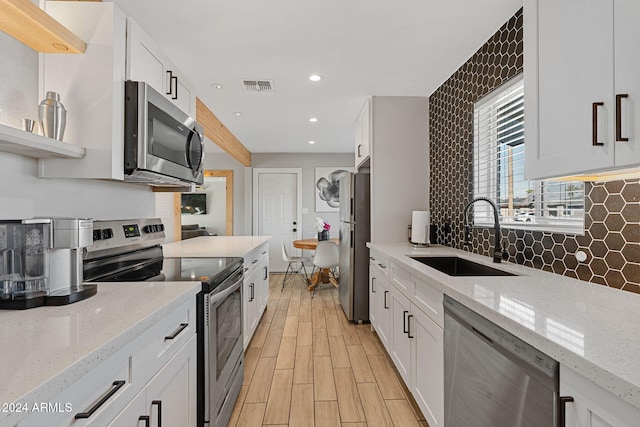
327,187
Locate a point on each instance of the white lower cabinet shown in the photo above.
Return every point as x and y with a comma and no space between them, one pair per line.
121,389
427,366
413,338
255,290
169,398
592,405
400,337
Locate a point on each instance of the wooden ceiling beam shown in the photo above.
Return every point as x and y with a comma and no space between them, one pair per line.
25,21
220,134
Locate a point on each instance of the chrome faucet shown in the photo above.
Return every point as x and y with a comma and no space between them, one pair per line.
498,253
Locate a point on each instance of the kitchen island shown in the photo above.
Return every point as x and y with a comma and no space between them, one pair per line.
214,246
590,329
46,350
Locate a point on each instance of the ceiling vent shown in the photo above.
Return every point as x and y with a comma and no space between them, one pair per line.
262,86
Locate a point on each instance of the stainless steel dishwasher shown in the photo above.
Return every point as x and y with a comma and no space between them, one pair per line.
492,378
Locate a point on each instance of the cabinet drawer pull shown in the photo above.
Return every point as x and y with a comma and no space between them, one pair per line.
117,385
373,281
159,404
382,266
409,325
251,286
359,147
266,272
174,79
405,329
170,73
385,300
266,251
619,98
177,331
562,421
145,418
594,124
254,261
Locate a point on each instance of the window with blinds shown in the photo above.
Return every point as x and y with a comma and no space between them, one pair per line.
499,144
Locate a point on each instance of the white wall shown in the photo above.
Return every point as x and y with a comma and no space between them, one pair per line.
308,163
22,193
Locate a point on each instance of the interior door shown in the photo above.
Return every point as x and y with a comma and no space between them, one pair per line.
277,213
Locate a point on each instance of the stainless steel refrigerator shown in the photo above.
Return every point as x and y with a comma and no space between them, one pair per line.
355,231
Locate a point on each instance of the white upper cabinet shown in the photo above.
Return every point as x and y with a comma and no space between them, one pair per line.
363,134
577,64
147,63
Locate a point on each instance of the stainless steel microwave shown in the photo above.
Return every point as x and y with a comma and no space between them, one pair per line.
162,144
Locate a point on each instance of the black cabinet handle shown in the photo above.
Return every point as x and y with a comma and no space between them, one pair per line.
619,98
404,322
594,124
359,147
385,300
170,82
409,325
177,331
266,251
562,410
382,266
266,273
159,404
254,261
373,281
146,420
117,385
251,294
174,79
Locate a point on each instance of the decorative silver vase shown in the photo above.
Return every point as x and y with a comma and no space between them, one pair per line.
53,116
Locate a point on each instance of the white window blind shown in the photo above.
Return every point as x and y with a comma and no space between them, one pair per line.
499,147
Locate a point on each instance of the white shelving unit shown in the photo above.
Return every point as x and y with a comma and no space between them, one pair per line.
28,144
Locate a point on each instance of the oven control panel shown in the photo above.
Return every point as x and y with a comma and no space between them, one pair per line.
131,230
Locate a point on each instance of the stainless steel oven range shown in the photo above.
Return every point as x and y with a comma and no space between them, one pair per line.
130,251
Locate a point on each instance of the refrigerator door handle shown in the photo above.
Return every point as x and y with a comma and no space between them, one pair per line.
351,240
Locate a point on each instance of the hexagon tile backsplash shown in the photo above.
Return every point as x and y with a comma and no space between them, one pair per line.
612,220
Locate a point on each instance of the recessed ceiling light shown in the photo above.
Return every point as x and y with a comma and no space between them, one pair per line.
312,142
217,85
315,77
313,120
237,113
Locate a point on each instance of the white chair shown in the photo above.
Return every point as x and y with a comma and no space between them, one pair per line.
327,258
293,269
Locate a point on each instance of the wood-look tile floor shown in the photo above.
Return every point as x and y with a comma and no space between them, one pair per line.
308,366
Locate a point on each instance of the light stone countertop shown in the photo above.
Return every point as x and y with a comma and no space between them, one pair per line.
214,246
590,328
45,349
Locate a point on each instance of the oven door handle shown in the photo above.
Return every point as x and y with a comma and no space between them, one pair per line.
216,298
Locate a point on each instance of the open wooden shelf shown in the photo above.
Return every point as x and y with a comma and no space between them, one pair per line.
25,21
29,144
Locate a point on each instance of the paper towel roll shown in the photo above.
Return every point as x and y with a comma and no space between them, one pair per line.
420,227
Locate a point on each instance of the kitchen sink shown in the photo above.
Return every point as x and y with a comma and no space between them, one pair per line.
455,266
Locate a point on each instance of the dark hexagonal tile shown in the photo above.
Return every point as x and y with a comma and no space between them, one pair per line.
571,273
570,244
598,231
631,232
570,262
537,261
614,186
558,267
631,272
547,241
547,257
615,279
558,238
631,192
631,287
598,248
631,212
614,241
631,252
614,203
537,247
614,260
558,251
599,266
614,222
598,194
599,280
584,272
598,213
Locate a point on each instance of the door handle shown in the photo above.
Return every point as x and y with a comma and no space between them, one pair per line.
562,410
409,317
117,385
373,281
175,86
159,404
404,322
145,418
251,286
170,73
385,300
266,273
619,98
594,124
